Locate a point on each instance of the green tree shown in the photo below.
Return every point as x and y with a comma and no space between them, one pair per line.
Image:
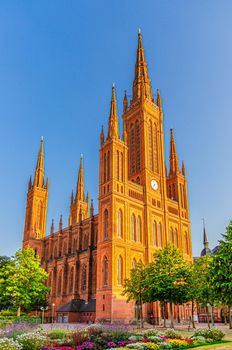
201,291
136,288
169,278
5,302
24,282
221,271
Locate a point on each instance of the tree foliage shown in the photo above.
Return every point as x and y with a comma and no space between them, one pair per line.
221,270
22,281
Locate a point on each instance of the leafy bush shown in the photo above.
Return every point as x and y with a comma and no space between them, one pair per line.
22,319
9,344
136,337
151,332
32,341
152,346
170,333
57,334
213,333
137,346
165,345
178,343
155,339
4,323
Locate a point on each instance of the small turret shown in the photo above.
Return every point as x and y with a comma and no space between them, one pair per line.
29,184
159,100
52,228
113,118
91,208
183,170
174,166
125,102
61,223
102,136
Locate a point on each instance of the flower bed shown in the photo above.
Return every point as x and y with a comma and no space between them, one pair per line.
97,337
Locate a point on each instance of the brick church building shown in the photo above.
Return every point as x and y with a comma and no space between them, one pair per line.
142,207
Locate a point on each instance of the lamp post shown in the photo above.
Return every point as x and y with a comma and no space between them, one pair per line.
53,309
43,309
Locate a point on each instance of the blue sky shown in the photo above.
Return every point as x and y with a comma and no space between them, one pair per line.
58,60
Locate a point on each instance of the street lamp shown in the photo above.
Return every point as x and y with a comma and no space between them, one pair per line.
43,309
53,309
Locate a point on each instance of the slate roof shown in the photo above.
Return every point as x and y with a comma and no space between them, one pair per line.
79,305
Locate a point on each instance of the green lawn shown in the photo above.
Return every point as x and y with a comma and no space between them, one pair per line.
227,346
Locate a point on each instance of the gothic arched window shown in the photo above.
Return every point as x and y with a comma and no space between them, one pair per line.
132,150
105,223
71,280
137,144
120,270
84,278
60,283
154,233
176,238
156,168
150,146
108,165
85,242
132,227
39,218
120,223
55,251
105,272
104,168
160,238
138,227
171,235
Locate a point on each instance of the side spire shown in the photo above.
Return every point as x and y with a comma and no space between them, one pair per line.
205,237
159,100
113,118
80,182
174,166
141,83
39,171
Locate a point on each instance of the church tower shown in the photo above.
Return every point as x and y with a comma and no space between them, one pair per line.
141,208
37,202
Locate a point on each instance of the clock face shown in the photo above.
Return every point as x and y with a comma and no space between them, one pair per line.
154,185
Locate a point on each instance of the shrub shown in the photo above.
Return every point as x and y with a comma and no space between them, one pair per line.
137,346
213,333
57,334
165,345
136,337
151,332
170,333
152,346
155,339
9,344
177,343
4,323
32,341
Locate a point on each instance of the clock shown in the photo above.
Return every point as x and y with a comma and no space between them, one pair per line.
154,185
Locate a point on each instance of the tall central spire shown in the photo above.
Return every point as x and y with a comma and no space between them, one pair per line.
141,84
113,118
174,166
80,182
39,171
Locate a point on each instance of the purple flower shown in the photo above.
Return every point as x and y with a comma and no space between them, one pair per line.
111,344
